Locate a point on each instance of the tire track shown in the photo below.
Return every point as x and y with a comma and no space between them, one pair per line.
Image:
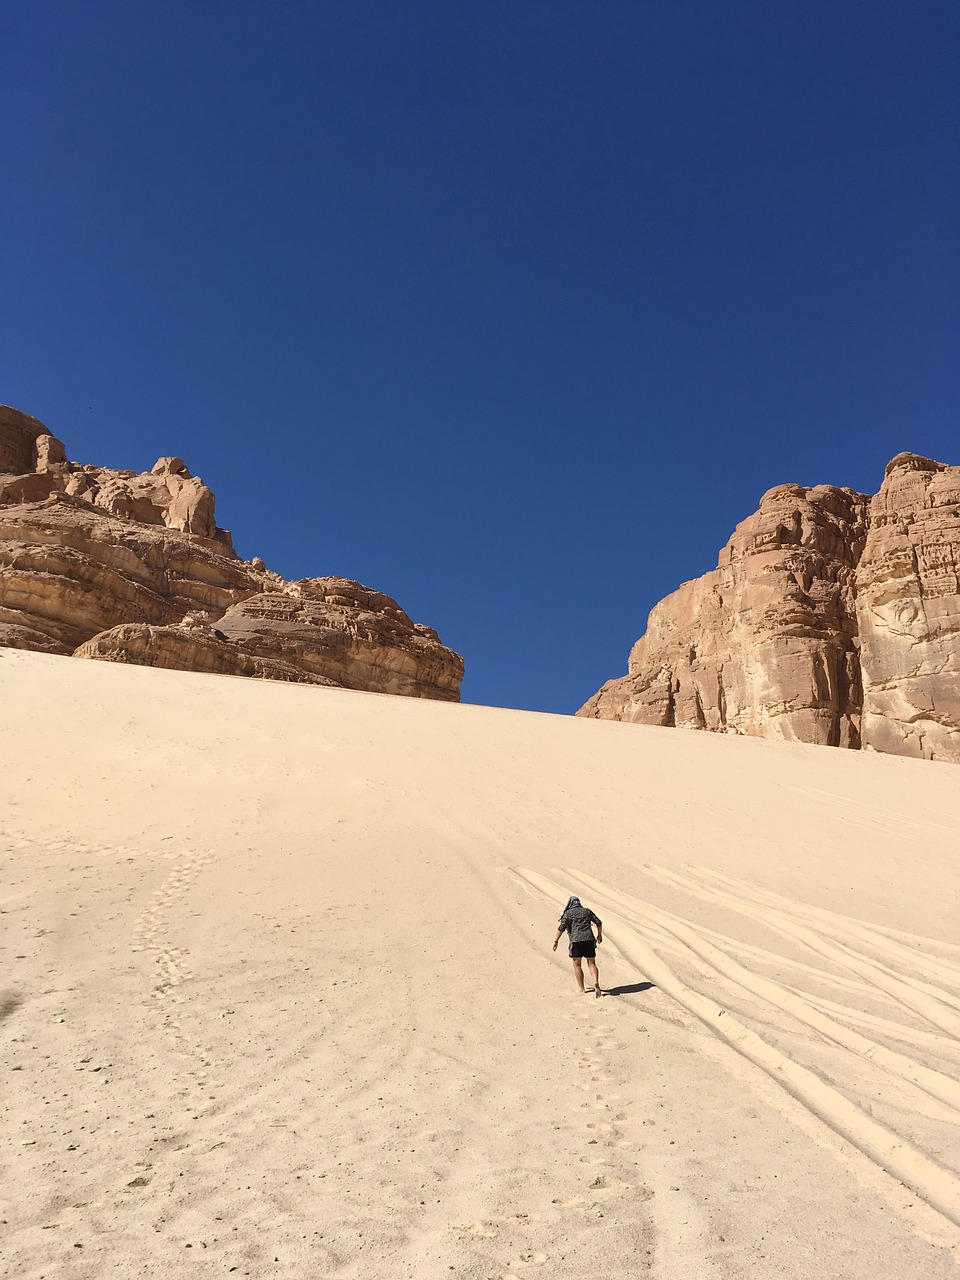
904,1069
912,1035
843,928
925,1000
772,958
933,1183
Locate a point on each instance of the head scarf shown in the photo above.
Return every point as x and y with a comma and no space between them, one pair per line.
571,903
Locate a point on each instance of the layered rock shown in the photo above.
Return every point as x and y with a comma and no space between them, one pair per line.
70,568
831,618
132,567
189,647
317,631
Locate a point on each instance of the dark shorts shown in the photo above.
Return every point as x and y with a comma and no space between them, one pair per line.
583,950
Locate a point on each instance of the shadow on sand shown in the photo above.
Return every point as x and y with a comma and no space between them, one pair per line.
10,1002
633,988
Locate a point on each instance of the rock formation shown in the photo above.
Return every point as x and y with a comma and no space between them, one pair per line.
319,631
908,607
129,567
831,618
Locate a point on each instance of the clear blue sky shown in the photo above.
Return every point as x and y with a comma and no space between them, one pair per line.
509,308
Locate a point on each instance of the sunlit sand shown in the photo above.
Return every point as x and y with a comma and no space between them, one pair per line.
278,996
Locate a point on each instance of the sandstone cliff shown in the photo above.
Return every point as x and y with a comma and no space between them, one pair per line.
831,618
130,567
908,608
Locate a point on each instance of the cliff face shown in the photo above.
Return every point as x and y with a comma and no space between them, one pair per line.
831,618
131,567
908,608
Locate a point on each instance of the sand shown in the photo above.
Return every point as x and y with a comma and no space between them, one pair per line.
278,996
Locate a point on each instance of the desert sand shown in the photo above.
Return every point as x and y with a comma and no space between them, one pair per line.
278,997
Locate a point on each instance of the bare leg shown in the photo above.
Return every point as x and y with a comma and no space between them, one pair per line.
595,975
578,972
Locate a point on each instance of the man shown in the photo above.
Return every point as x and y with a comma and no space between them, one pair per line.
577,920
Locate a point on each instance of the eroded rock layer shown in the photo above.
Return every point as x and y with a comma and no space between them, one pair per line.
831,618
130,567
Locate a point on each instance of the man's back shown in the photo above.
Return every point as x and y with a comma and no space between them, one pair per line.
577,921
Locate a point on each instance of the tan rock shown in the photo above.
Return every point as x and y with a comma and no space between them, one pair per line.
908,604
33,466
68,570
765,643
178,501
829,619
49,452
320,631
193,648
170,467
132,567
19,434
359,637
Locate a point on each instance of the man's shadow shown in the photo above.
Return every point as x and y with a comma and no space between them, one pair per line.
631,990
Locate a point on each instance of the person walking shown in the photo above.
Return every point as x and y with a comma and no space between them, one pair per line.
578,921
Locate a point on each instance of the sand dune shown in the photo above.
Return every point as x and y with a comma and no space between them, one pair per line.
278,998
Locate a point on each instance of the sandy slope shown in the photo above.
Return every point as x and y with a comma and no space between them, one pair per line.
278,998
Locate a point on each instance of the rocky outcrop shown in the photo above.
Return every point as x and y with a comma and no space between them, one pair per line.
831,618
131,567
19,436
908,606
359,638
766,642
318,631
190,647
70,568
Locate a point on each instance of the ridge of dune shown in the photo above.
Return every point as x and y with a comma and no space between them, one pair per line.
278,997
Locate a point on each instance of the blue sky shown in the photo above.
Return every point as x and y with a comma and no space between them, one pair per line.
509,309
